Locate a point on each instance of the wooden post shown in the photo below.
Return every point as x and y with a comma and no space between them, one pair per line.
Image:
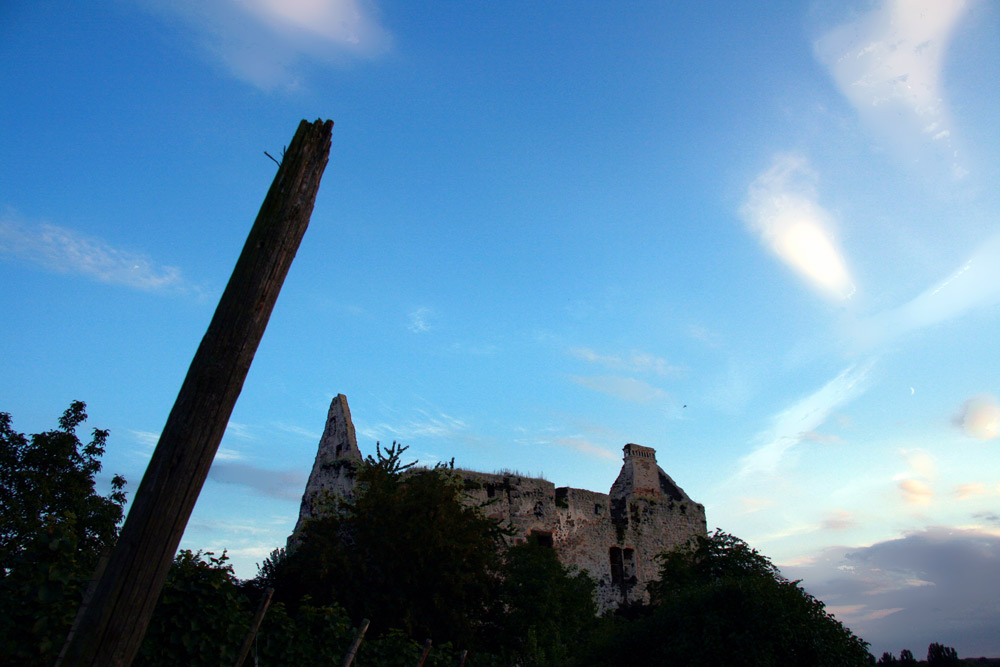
111,628
358,636
462,656
423,656
257,618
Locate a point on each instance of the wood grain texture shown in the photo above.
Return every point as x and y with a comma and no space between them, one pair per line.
111,628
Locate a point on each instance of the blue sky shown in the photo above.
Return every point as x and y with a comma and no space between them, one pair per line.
763,240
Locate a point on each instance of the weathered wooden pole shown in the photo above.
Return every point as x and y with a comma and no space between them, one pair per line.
254,626
111,628
353,650
423,656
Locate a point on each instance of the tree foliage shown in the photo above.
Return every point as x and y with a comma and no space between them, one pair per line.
406,552
720,602
54,527
548,610
938,654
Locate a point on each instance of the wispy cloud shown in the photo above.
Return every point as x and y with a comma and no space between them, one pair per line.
975,284
64,250
424,425
634,361
584,446
626,388
782,209
791,426
420,320
147,438
916,492
297,430
242,431
282,484
840,520
888,64
263,42
979,417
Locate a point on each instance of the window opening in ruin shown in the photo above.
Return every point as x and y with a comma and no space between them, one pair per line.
491,491
543,538
598,509
617,569
628,566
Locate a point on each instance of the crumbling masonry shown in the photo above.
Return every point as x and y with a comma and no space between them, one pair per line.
614,537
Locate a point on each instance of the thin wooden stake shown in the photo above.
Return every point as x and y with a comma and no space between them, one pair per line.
423,656
111,628
358,636
257,618
462,656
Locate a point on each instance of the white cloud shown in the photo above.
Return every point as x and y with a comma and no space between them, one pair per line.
67,251
888,65
634,361
975,284
782,209
420,320
263,41
980,417
794,424
625,388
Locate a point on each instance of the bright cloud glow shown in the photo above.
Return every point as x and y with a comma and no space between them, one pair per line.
781,209
888,65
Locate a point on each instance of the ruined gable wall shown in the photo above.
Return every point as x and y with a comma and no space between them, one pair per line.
613,537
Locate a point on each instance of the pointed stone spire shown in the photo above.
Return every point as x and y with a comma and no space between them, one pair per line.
336,462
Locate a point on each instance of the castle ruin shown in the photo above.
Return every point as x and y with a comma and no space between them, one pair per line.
614,537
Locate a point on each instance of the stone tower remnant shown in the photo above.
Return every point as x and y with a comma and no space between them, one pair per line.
613,537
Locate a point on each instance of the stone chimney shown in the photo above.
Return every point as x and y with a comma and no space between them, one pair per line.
640,476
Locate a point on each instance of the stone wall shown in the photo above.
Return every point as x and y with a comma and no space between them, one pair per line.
614,537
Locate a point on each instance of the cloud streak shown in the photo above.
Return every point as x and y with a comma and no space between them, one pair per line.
782,210
264,42
628,389
975,284
796,423
66,251
281,484
634,361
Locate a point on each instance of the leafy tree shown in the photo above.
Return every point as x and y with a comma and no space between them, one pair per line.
906,657
548,609
407,552
201,617
887,659
937,654
53,529
720,602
